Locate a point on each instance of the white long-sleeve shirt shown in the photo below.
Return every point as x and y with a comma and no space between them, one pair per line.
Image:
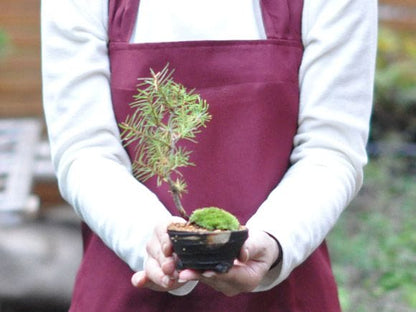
94,171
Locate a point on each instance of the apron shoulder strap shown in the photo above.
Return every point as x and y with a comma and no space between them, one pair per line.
121,19
282,18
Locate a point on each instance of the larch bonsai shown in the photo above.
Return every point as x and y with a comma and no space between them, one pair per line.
165,113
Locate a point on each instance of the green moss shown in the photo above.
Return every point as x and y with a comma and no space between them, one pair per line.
213,218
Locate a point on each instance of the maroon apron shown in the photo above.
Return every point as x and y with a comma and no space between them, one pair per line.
253,93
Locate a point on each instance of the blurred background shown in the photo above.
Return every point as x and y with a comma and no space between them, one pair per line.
40,244
373,247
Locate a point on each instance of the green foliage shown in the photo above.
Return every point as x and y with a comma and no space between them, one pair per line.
3,41
373,247
395,81
165,112
213,218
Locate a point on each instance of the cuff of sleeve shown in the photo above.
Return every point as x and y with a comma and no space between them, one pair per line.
272,278
185,289
280,256
281,269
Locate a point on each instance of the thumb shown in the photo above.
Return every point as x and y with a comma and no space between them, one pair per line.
139,279
244,254
256,246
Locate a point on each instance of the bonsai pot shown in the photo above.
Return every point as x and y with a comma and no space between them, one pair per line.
201,249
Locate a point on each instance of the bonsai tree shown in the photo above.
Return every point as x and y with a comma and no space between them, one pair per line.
165,113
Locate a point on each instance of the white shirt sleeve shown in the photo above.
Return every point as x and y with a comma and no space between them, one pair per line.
92,167
336,79
94,171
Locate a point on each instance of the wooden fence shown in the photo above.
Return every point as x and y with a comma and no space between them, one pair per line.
400,14
20,78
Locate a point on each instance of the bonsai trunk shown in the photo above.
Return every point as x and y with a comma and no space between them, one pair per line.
177,199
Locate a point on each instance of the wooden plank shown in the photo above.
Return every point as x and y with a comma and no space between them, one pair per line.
22,17
21,109
25,102
30,62
409,3
23,38
16,78
7,6
398,14
20,69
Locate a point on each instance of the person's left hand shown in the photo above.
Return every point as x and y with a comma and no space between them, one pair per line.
257,255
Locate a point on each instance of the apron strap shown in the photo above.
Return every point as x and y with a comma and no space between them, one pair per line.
121,19
278,19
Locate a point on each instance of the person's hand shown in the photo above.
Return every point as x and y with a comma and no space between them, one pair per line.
159,273
257,255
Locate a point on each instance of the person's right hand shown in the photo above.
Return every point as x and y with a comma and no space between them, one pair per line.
159,273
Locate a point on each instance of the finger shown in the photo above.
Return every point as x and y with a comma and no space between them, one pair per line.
242,277
167,264
163,236
259,247
247,271
154,250
156,275
139,279
169,267
223,283
160,248
163,239
188,275
244,254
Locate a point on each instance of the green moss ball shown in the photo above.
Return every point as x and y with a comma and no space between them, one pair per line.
213,218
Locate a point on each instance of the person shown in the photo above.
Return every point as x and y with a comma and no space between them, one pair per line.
289,84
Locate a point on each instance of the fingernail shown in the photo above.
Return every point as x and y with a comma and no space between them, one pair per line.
135,280
165,249
246,255
165,281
